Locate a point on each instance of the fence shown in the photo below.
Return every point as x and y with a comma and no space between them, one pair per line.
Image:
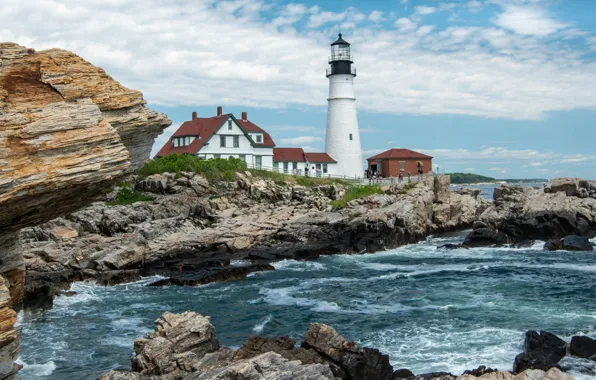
353,180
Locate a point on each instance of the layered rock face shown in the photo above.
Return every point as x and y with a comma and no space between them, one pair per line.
197,231
184,347
68,131
565,206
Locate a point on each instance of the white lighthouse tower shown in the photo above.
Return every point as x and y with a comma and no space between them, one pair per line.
342,141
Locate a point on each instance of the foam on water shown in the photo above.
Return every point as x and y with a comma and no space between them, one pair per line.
259,327
37,370
298,266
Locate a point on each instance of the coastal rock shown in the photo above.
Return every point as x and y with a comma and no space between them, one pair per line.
559,209
267,366
177,338
357,362
542,350
530,374
570,243
197,231
583,347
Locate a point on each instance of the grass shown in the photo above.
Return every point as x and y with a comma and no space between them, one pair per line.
217,168
127,196
223,169
355,193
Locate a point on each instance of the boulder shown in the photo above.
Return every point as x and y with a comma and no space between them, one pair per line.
530,374
576,243
402,373
357,362
542,351
177,337
568,186
583,347
266,366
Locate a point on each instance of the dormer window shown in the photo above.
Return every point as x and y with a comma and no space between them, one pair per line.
259,139
181,141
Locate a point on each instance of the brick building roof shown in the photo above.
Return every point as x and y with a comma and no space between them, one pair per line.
298,155
396,153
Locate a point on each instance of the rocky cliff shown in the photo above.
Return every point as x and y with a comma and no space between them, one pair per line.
68,131
564,206
197,231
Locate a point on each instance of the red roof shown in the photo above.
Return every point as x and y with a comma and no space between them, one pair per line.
250,127
396,153
206,127
319,158
288,154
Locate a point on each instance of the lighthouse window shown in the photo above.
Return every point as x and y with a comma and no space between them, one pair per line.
350,137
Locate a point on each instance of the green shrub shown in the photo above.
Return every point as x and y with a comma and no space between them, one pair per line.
216,168
355,193
127,196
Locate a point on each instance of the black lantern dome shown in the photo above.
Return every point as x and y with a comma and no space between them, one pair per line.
341,58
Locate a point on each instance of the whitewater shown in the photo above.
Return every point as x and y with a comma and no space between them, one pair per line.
429,309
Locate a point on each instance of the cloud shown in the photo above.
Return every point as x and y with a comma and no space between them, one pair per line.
500,170
469,170
376,16
528,20
235,53
299,140
474,6
424,10
405,24
296,128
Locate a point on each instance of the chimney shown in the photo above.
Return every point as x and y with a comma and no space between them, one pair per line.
219,111
194,115
244,116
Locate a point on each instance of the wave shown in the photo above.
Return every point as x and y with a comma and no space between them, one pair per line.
298,266
259,327
45,369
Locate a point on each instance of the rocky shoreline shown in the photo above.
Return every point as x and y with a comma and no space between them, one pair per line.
197,231
185,346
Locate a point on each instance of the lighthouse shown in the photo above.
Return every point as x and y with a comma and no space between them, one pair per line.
342,141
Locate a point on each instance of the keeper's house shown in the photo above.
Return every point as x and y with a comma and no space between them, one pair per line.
224,136
392,161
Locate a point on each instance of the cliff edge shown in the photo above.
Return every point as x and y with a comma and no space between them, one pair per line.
68,131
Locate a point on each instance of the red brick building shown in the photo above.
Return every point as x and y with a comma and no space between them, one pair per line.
392,161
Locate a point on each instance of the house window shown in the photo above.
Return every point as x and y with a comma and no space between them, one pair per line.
187,141
217,156
243,157
402,165
318,170
295,165
175,142
276,166
259,139
325,168
229,125
350,137
236,141
222,141
285,167
258,162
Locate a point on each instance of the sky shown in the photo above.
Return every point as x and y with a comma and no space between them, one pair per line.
505,88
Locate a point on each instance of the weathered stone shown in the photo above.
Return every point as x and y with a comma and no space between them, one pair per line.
267,366
357,362
176,337
530,374
542,351
583,347
576,243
